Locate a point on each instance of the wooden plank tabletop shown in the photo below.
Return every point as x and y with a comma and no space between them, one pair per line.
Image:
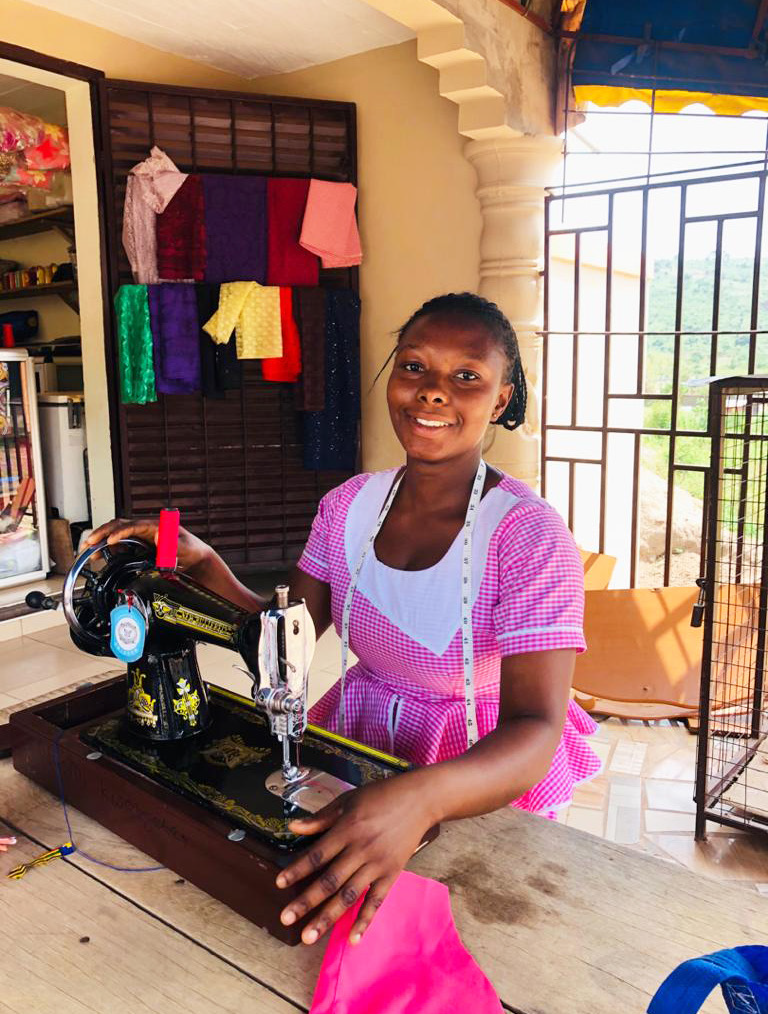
560,921
72,946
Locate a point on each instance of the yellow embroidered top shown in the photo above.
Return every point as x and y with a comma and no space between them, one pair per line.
253,311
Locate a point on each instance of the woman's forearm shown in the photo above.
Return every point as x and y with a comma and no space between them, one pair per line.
214,574
501,767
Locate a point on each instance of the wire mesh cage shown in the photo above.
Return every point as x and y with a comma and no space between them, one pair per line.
732,763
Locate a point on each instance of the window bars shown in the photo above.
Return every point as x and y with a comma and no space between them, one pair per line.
648,291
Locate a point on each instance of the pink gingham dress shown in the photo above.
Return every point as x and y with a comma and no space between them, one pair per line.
405,695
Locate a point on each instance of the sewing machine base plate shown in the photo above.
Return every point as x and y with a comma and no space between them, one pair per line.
311,790
233,767
187,808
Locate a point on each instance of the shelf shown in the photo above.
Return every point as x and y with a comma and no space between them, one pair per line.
36,345
60,219
66,290
32,291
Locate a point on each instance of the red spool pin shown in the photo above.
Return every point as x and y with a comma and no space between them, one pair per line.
167,539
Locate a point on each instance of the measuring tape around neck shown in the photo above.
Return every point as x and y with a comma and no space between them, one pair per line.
467,639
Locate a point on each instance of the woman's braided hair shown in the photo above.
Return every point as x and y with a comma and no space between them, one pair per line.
470,306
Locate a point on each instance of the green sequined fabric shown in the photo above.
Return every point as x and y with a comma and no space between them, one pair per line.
134,336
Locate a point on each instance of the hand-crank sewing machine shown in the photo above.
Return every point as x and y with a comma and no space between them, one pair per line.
200,778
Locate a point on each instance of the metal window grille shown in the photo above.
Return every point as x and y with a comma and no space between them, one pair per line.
621,363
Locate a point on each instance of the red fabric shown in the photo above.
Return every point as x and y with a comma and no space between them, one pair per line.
287,262
285,368
180,233
411,958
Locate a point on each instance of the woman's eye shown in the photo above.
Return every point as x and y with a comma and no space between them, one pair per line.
412,367
466,375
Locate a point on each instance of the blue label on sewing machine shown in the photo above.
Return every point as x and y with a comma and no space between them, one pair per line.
129,630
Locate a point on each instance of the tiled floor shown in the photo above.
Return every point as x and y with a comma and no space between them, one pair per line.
643,798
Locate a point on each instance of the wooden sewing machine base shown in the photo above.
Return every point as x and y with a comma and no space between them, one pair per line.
183,805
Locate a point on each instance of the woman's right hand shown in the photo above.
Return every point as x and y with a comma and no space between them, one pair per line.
193,553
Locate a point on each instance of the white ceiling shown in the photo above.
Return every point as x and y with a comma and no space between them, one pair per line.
251,38
48,103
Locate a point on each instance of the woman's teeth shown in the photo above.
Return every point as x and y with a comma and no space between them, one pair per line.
432,423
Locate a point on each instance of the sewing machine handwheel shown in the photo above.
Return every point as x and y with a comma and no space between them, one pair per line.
88,611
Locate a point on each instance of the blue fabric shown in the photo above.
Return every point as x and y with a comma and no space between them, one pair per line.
742,972
330,436
702,22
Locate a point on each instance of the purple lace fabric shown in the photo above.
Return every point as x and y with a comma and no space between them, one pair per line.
175,340
235,228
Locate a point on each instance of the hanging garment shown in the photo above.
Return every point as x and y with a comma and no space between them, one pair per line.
309,314
173,314
253,312
741,973
149,187
180,232
134,343
220,369
329,228
330,436
410,958
287,368
288,263
235,228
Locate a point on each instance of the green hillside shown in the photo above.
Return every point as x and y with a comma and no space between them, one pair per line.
732,355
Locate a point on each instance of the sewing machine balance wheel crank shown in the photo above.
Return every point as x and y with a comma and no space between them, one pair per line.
202,779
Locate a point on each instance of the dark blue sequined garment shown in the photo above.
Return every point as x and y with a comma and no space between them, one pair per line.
330,436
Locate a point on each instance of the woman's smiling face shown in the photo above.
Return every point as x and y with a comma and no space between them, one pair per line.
447,384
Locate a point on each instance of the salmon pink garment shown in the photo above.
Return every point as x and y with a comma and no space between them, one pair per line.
329,228
411,958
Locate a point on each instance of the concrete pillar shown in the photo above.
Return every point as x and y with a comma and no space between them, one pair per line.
512,173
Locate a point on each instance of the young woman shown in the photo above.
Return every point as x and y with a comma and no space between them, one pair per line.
461,593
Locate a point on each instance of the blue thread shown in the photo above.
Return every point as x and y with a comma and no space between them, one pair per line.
75,847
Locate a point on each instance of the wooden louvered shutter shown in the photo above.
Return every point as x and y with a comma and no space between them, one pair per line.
233,467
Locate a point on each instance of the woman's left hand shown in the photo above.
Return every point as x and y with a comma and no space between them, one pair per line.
371,833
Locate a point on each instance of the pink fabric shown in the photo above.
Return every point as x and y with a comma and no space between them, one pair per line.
329,228
19,130
410,958
20,176
149,188
52,152
404,699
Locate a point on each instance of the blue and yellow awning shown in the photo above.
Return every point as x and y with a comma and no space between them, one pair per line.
705,51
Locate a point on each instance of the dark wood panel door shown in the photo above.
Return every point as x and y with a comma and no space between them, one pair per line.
232,466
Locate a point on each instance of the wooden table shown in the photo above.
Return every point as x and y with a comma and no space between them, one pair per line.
561,922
